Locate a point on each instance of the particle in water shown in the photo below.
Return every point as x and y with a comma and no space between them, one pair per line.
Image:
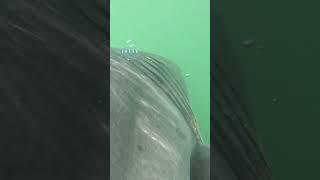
248,43
187,75
275,100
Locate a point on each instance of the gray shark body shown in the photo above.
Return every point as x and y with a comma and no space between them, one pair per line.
153,133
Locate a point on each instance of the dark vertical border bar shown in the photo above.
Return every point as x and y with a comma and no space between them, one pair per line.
107,76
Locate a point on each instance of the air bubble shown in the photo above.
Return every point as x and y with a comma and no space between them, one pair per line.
131,49
130,43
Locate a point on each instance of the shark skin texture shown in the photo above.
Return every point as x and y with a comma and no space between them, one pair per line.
153,132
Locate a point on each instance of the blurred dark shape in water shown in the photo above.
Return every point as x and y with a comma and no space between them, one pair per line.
237,153
52,90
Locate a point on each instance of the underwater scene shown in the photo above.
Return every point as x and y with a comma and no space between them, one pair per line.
159,90
178,31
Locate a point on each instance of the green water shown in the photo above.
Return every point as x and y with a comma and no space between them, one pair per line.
178,30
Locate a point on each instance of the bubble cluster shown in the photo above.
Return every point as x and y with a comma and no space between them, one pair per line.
131,49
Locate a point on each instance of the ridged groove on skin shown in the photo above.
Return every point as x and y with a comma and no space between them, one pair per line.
167,77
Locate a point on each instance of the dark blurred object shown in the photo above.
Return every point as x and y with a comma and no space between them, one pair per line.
237,152
52,90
